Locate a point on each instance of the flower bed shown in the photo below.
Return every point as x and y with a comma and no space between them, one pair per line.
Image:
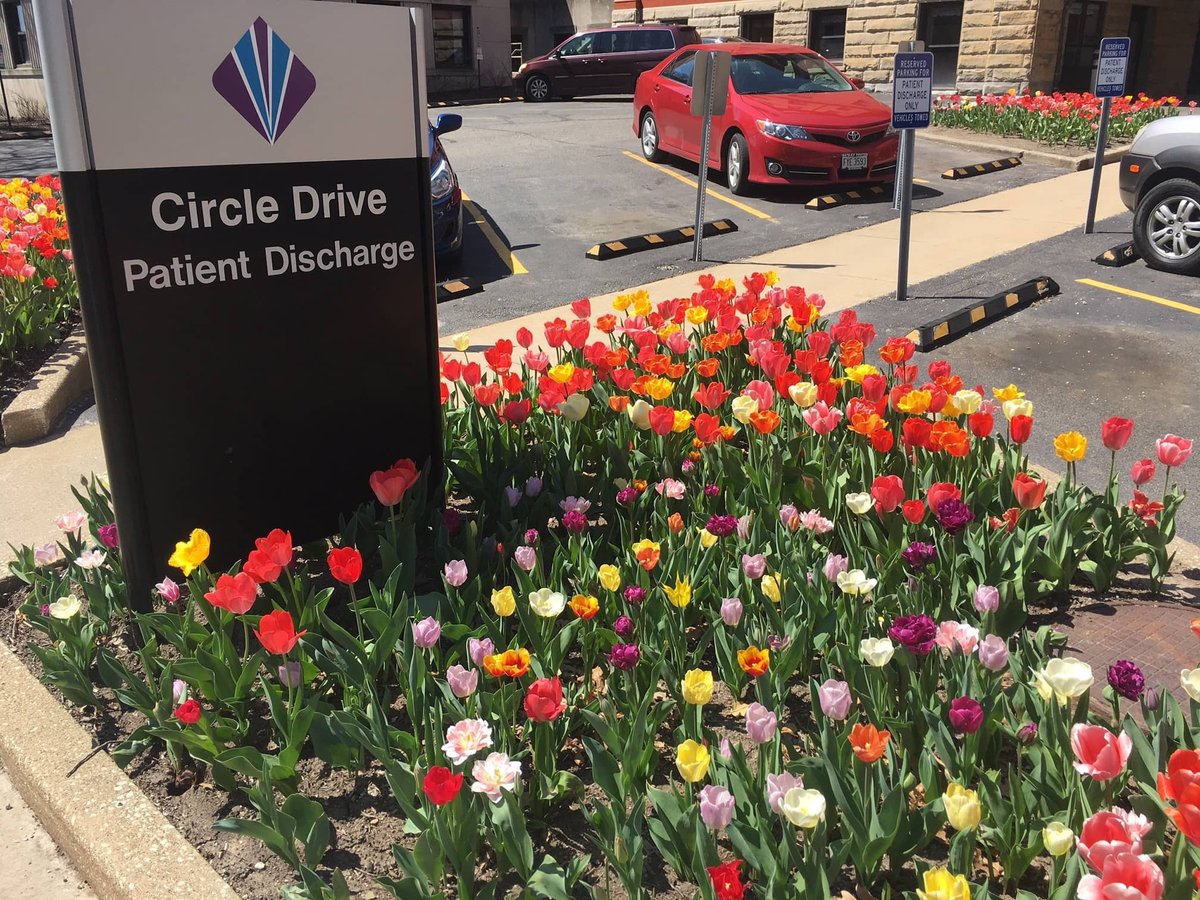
1054,119
704,587
37,280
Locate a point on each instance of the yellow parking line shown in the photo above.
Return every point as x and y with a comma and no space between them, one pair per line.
1174,304
710,192
920,181
506,255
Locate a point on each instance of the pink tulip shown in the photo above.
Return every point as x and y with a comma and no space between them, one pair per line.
760,723
716,807
835,699
789,516
987,598
1124,876
426,632
1143,470
821,418
1110,832
754,566
731,611
463,682
762,392
455,573
743,526
1100,753
168,590
1173,450
477,649
778,785
835,564
953,636
525,557
993,653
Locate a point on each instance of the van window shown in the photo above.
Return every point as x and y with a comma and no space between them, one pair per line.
653,39
586,44
622,41
688,36
681,70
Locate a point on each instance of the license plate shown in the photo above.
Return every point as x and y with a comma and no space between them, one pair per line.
854,160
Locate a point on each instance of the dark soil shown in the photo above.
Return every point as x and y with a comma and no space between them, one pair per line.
16,375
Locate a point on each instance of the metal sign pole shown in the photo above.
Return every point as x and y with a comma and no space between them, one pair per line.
898,187
1111,68
912,107
908,145
1098,165
710,71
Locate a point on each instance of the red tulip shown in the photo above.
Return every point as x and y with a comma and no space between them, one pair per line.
888,491
188,712
915,432
882,441
727,880
874,387
1028,491
1142,471
913,510
276,632
345,564
662,419
1019,428
1115,432
939,491
269,558
981,424
544,702
235,593
390,485
441,785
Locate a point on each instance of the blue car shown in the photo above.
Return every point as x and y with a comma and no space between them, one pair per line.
447,197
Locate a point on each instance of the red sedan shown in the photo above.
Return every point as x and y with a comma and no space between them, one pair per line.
792,118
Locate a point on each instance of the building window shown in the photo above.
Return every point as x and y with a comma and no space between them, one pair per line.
758,27
827,34
1083,26
451,37
16,35
941,30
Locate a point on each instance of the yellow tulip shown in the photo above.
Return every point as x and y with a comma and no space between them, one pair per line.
691,759
1071,446
503,602
190,554
770,585
1058,839
914,403
641,303
660,388
803,394
707,538
683,420
962,807
697,687
461,341
859,372
941,885
1005,394
681,594
1016,407
697,314
610,578
562,372
743,408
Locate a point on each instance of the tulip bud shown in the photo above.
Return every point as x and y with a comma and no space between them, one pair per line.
1028,733
290,674
731,611
1152,699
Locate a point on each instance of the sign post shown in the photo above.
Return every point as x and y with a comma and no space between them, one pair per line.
912,103
905,47
251,224
1110,82
710,93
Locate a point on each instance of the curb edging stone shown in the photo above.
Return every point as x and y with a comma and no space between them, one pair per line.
65,378
112,833
995,143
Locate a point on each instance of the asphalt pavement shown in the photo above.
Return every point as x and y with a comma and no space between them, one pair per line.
549,180
1091,352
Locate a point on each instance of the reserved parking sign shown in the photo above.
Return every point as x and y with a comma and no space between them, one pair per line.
912,90
1112,66
250,215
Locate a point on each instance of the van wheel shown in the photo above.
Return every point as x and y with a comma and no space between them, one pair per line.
537,89
1166,227
737,165
649,135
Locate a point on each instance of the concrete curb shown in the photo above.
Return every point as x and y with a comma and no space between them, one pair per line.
60,382
997,144
111,832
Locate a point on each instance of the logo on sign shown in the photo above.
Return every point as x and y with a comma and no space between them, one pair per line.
853,136
264,80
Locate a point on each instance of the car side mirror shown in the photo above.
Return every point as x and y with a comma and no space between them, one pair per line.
447,122
857,82
553,54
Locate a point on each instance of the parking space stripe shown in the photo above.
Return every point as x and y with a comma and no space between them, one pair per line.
710,192
1163,301
506,255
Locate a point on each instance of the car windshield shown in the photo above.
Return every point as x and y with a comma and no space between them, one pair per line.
785,73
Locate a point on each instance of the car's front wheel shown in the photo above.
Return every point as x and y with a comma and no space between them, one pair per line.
1166,227
537,89
649,136
737,165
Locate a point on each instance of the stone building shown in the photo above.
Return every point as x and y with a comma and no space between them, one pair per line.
977,44
539,26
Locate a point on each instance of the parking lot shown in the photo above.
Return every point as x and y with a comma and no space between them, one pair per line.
547,181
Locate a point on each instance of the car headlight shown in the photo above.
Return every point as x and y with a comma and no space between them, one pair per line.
441,181
522,68
783,132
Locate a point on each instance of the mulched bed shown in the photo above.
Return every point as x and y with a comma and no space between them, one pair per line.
16,375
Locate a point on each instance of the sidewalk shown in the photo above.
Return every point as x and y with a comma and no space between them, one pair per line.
32,866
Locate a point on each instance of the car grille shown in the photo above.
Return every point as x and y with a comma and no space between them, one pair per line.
804,172
838,138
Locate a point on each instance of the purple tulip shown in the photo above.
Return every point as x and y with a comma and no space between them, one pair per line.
1126,679
477,649
455,572
290,674
452,521
1152,699
919,554
834,565
760,723
426,632
686,466
626,496
987,598
512,495
725,749
635,594
777,641
754,566
789,516
178,691
108,536
712,490
993,652
965,715
954,515
731,611
915,633
46,554
624,656
1027,733
531,537
721,526
575,522
533,486
623,626
835,699
525,557
463,682
716,807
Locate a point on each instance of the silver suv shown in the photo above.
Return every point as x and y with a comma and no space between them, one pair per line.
1160,182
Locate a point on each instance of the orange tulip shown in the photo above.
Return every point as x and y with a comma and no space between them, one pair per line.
707,368
766,421
1195,626
753,661
868,742
509,664
647,553
618,403
584,606
675,523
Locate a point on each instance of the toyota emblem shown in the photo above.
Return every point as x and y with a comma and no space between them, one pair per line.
853,137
